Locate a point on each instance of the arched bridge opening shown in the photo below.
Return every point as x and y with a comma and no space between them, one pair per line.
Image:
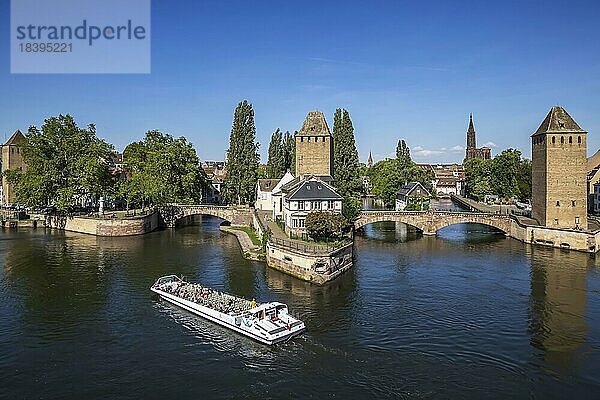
234,215
430,222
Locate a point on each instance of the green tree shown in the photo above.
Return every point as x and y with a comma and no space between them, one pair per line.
386,180
289,153
276,163
403,154
64,162
242,157
524,179
388,176
478,178
324,225
504,173
162,170
346,164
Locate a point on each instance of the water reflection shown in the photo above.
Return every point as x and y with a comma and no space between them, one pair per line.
558,305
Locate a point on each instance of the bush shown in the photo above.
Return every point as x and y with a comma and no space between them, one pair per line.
324,225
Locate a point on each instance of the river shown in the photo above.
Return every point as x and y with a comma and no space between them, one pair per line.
466,314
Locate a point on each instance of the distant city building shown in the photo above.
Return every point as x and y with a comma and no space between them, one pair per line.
448,178
370,161
314,147
559,190
484,153
412,192
12,159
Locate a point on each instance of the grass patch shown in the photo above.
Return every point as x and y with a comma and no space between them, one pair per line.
251,232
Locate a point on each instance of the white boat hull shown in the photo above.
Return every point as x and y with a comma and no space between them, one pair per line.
255,331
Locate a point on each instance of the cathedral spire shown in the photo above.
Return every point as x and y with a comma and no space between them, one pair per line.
471,141
370,161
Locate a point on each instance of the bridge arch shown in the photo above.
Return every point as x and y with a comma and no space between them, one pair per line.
431,221
235,215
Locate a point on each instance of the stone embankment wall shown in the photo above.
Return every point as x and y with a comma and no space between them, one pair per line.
309,266
554,237
105,227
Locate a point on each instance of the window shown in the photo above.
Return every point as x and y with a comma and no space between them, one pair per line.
301,223
562,140
330,204
558,204
309,139
553,140
302,138
573,203
300,205
323,139
570,139
315,205
294,223
555,221
576,220
579,139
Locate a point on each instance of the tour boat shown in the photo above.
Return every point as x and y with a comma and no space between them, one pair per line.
267,323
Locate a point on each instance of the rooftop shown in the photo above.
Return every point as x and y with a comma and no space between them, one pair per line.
315,125
314,189
558,120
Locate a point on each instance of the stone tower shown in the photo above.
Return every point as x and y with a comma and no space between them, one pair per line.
314,147
11,159
559,155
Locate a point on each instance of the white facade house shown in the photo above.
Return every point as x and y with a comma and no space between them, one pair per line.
277,196
305,196
264,189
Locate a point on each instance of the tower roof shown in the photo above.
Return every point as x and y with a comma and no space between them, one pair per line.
315,125
558,120
16,138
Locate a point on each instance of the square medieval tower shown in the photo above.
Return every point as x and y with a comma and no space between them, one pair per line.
314,147
559,155
11,159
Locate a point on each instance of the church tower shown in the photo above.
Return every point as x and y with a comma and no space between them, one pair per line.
471,140
558,181
314,147
485,153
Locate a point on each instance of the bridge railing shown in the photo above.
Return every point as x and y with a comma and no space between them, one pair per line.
308,248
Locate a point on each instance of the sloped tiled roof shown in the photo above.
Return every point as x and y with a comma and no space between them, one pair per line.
558,120
314,189
315,125
407,189
267,185
16,138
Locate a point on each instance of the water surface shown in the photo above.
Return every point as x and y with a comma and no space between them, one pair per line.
466,314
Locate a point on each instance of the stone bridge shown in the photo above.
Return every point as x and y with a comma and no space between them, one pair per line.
236,215
431,221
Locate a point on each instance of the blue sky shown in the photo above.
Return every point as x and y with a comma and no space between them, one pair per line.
410,70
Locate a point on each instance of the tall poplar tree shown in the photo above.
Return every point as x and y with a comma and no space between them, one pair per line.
289,153
242,157
276,162
345,163
403,154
